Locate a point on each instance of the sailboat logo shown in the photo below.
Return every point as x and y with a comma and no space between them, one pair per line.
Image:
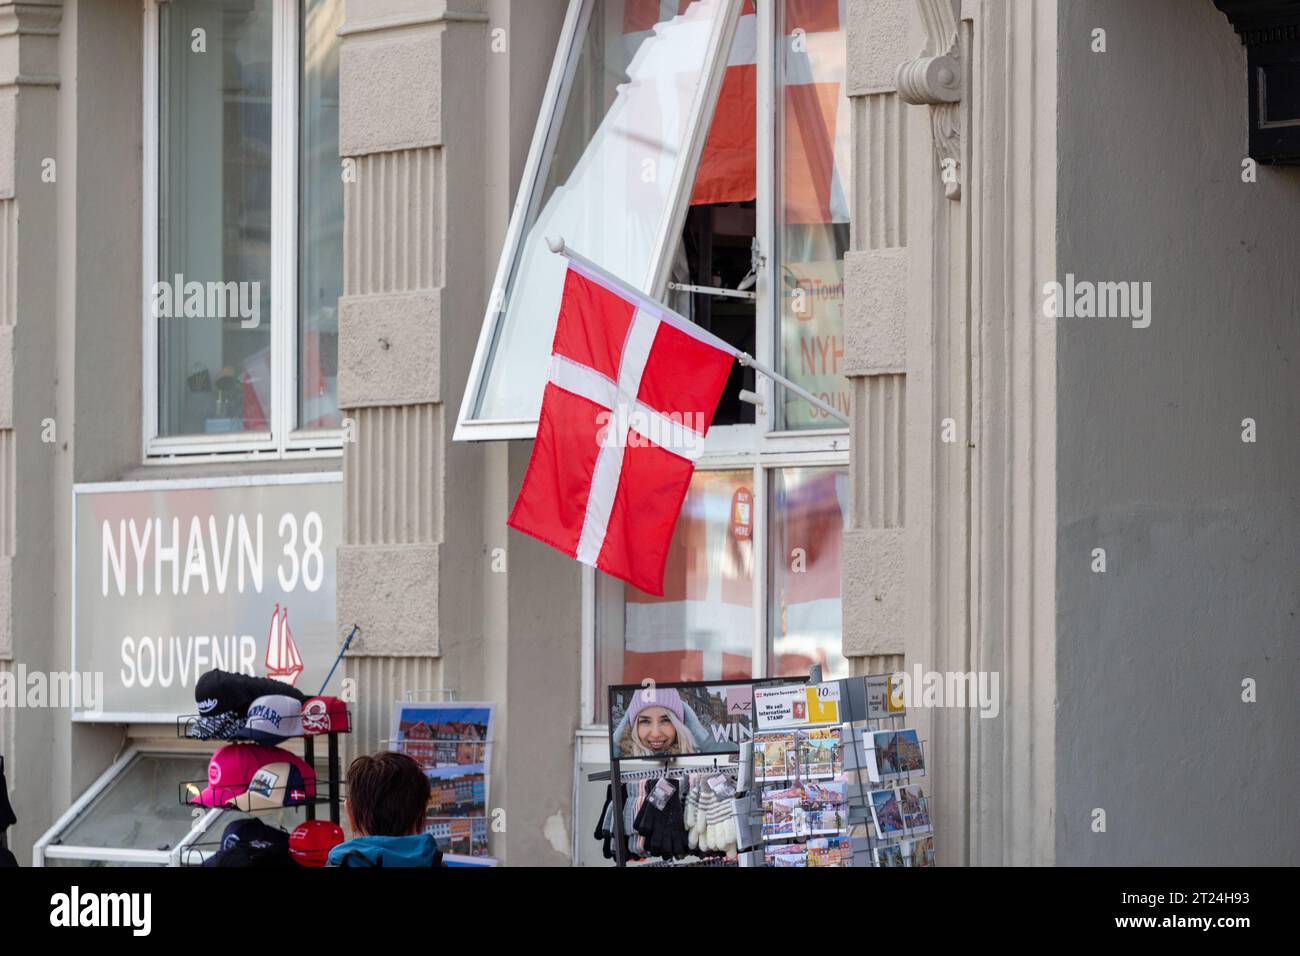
283,661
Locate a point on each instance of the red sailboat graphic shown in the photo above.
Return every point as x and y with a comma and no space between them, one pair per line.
282,659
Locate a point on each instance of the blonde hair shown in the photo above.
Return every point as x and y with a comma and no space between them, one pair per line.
629,743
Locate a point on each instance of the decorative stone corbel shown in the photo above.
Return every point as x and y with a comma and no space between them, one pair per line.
934,80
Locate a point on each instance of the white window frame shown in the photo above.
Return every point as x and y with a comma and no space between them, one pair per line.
285,440
46,849
563,68
734,447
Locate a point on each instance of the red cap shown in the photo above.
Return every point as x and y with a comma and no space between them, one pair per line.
310,843
323,715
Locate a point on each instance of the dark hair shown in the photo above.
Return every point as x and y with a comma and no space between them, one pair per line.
387,793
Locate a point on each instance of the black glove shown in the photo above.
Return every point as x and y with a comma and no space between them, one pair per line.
664,829
604,833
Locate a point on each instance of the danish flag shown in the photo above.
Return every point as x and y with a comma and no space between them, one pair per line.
632,391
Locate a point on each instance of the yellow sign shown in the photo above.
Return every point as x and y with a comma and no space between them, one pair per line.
824,704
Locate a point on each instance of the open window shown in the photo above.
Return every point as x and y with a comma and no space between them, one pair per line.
616,150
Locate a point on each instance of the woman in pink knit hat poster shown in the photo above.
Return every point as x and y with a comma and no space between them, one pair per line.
658,723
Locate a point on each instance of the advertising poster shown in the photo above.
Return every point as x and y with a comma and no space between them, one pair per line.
452,742
667,720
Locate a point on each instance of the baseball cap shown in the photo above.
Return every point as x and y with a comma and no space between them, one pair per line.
248,842
233,769
218,691
286,781
219,726
323,715
272,719
310,842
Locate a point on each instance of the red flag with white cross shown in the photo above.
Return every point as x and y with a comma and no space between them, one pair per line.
632,391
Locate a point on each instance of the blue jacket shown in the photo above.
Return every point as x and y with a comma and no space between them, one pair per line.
410,851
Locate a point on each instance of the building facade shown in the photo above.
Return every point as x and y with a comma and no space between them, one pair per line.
893,184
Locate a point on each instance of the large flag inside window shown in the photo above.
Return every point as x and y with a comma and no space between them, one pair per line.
816,120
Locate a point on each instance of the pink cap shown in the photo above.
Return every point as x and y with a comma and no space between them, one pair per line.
232,768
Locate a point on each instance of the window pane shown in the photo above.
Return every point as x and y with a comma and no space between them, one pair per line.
703,626
214,218
141,808
808,507
320,228
618,144
813,210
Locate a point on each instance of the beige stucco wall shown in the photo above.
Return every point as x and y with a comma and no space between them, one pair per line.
437,111
70,369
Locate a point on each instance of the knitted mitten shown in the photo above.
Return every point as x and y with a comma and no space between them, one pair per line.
702,836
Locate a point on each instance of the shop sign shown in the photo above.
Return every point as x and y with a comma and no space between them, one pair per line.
796,706
742,514
174,578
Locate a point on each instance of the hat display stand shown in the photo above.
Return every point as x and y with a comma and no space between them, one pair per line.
189,789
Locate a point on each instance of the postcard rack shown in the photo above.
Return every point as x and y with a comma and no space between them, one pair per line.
859,719
677,766
864,710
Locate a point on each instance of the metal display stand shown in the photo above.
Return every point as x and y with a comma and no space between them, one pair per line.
333,780
858,722
859,717
668,766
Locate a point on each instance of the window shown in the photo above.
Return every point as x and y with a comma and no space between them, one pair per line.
613,154
243,227
734,211
131,816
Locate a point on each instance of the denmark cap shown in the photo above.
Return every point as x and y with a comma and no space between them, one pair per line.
272,719
235,767
286,782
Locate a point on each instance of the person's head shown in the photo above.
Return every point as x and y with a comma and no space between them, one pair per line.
388,794
656,723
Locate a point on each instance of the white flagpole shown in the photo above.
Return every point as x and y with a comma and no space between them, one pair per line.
744,358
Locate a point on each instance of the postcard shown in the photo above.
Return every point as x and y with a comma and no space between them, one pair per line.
782,818
898,754
820,752
916,809
920,852
887,814
775,756
830,851
825,791
890,855
787,854
452,743
827,820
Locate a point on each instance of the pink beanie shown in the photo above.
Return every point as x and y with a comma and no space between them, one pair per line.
668,699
